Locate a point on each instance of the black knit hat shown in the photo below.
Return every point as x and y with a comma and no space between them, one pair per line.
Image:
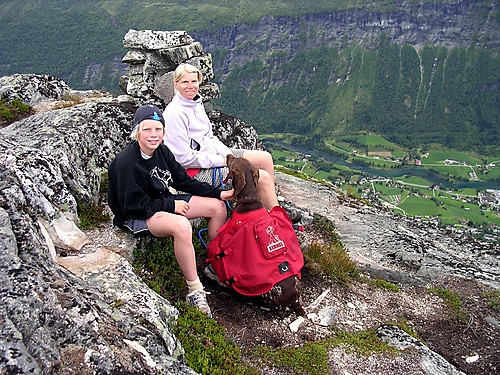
148,112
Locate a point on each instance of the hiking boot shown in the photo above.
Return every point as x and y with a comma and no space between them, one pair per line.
198,299
212,275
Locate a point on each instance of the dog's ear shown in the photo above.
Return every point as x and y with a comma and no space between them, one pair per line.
238,181
229,159
255,175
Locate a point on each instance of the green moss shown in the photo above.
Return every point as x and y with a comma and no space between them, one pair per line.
13,110
382,284
311,358
154,261
363,342
208,350
90,215
493,297
404,325
6,114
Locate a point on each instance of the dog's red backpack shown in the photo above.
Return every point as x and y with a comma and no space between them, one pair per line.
256,250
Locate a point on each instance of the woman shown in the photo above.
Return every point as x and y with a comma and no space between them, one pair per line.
191,140
139,196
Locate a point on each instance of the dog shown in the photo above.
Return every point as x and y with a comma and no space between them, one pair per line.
245,181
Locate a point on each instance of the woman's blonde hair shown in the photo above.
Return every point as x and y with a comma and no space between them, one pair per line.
135,133
187,68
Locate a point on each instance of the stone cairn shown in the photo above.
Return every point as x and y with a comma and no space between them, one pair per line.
152,59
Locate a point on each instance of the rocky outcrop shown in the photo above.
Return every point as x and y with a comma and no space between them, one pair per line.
32,88
52,320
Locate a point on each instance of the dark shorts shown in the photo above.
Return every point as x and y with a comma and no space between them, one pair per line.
216,176
139,228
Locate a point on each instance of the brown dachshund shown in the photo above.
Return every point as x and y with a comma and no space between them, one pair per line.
245,180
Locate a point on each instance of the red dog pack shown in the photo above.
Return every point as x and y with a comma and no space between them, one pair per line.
256,250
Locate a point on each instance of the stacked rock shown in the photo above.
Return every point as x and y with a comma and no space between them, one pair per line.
153,57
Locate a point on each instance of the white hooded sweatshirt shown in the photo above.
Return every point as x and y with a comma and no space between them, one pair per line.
189,134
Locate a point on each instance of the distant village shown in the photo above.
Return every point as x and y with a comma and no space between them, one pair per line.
488,200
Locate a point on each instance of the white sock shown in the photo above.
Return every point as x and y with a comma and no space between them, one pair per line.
194,285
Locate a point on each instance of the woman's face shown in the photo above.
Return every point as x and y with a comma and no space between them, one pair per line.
150,136
188,85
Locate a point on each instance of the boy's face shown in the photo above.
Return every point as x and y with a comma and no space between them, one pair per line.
150,136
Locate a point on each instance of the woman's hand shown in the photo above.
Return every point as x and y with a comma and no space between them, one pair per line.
181,207
227,195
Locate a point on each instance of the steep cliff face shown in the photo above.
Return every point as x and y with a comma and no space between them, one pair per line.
448,24
391,70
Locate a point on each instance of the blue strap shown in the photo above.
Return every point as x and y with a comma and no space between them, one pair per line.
200,238
218,169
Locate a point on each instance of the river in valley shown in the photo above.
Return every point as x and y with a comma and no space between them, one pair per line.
411,170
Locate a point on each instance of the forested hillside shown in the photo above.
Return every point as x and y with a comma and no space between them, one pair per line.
415,72
412,97
81,40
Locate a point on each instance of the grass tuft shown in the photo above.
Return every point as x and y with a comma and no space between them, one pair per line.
69,101
452,300
326,229
333,261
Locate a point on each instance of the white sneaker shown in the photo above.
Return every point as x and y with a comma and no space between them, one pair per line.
198,299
